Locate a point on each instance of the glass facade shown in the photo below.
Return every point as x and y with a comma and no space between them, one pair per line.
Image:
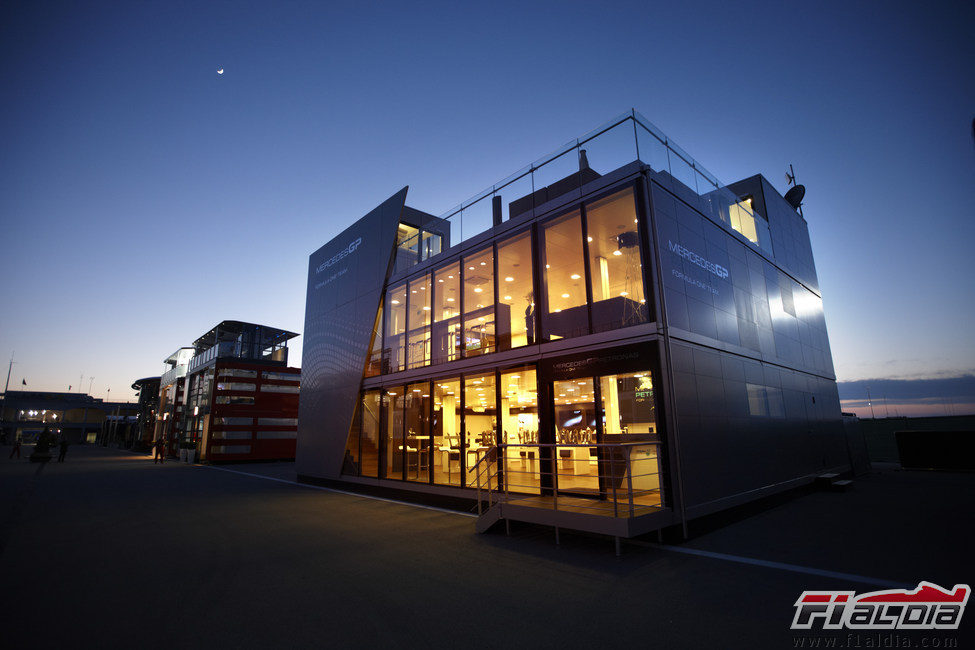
591,280
446,314
480,333
516,292
615,264
447,425
564,312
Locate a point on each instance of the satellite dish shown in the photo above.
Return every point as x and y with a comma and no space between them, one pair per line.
795,195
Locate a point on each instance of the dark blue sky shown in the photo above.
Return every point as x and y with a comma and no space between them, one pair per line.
137,187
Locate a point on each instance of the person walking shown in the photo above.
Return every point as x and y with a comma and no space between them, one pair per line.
64,448
160,451
16,449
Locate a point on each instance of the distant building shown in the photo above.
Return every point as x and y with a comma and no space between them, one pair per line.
142,432
77,416
614,338
232,394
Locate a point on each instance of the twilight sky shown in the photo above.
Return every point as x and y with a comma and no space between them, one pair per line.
144,198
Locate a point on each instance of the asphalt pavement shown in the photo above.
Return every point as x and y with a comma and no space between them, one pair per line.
110,550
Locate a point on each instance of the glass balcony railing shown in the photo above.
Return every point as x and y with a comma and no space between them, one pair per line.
560,175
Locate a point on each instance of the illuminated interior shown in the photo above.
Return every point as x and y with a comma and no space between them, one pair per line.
742,217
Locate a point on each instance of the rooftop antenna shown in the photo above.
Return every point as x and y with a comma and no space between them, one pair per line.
796,193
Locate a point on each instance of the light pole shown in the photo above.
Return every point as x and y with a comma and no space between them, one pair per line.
5,388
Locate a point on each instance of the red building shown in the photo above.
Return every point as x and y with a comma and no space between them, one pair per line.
235,398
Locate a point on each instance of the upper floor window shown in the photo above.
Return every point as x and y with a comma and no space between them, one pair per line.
563,273
615,268
479,327
743,218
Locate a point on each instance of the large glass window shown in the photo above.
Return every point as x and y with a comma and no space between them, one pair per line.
575,428
393,438
480,423
629,415
350,463
742,217
628,406
563,261
374,363
396,328
369,444
446,432
479,332
417,450
516,298
407,246
616,272
519,424
418,337
445,339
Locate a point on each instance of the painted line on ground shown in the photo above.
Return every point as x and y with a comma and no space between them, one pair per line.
782,566
345,492
738,559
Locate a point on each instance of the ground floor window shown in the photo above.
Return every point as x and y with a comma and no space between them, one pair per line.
528,428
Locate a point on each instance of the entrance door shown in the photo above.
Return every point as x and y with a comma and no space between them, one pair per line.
575,433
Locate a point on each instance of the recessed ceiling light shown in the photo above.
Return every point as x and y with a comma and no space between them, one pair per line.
565,295
575,276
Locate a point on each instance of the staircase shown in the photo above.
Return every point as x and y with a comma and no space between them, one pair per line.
627,503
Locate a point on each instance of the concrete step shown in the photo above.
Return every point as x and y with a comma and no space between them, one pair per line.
826,480
841,486
488,518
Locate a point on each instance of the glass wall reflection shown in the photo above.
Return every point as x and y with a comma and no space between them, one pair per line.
519,424
616,271
393,439
395,338
564,284
369,442
446,338
575,425
479,326
480,423
447,445
516,298
418,338
417,446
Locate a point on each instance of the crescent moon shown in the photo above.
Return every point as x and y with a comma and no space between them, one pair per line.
220,71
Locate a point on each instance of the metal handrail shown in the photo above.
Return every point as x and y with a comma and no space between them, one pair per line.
612,470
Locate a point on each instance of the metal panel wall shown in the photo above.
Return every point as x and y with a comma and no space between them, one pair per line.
345,282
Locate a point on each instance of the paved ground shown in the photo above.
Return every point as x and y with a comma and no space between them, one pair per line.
108,549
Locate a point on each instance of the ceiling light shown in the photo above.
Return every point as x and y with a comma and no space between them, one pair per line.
395,302
575,276
507,298
478,289
589,238
509,279
565,295
617,252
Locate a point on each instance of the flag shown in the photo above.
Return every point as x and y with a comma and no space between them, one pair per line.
23,381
